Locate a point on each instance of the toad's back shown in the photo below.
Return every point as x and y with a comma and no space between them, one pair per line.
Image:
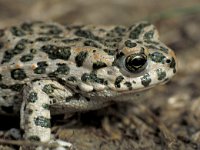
37,50
92,60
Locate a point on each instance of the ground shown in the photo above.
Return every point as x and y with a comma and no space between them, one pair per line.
169,116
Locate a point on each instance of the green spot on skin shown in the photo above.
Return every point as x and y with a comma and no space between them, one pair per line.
32,97
19,48
42,122
62,69
165,50
41,69
157,57
120,30
130,44
149,35
56,52
92,77
48,89
18,74
146,80
26,58
161,74
17,31
134,34
45,106
50,29
86,34
33,51
118,80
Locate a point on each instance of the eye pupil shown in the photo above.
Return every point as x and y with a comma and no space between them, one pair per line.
136,62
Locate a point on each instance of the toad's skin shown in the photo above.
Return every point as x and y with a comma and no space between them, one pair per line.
48,68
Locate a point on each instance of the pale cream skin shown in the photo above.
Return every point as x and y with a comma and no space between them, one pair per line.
48,68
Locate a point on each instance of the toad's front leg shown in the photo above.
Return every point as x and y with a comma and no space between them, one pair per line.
35,112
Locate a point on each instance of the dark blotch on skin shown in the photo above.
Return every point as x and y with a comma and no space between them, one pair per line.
165,50
46,106
129,85
86,34
26,26
161,74
72,79
80,58
34,138
118,80
117,31
43,39
33,51
41,67
51,29
149,35
26,58
119,55
173,65
120,30
68,41
149,41
29,111
32,97
16,31
16,87
56,52
134,34
18,74
98,65
91,43
130,44
19,48
4,86
92,77
42,122
146,80
109,52
157,57
62,69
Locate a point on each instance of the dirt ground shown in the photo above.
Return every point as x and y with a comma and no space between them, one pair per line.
169,116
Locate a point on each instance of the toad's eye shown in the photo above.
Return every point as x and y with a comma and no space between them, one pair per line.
136,63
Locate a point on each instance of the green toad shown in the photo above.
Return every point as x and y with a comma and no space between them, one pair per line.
48,68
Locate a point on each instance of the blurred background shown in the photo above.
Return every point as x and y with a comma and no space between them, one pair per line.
175,106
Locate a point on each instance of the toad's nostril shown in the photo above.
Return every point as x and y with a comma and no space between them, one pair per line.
168,61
